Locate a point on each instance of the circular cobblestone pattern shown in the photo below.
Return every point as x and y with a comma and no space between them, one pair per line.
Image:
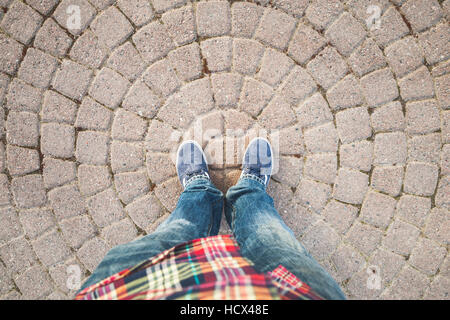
354,96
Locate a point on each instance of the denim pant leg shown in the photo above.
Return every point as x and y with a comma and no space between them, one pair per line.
197,215
268,242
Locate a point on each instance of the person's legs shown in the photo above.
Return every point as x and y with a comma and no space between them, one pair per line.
197,215
266,240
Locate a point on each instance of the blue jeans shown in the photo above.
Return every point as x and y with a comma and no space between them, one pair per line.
257,227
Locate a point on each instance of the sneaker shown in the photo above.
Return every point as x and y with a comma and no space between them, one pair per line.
257,161
191,163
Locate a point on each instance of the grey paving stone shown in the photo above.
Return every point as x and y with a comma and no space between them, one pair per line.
22,160
119,233
392,27
5,193
443,188
409,285
438,289
153,41
36,221
105,208
130,185
181,24
401,237
17,255
346,93
346,33
320,240
141,100
313,111
164,5
357,155
350,186
10,229
288,165
93,179
57,140
340,216
87,14
126,61
364,237
159,167
323,138
417,85
421,14
88,50
28,191
145,210
92,115
420,178
186,61
305,43
321,167
379,87
312,194
23,97
57,172
347,261
50,248
77,230
43,6
328,67
367,58
390,148
168,193
92,147
297,86
387,179
433,43
21,22
427,256
161,78
128,126
109,88
441,84
245,18
52,39
213,18
111,27
247,55
67,202
422,117
294,7
275,29
389,117
160,137
437,225
72,80
425,148
126,156
274,67
322,12
378,209
57,108
404,56
92,253
34,283
226,88
37,68
138,11
217,53
353,124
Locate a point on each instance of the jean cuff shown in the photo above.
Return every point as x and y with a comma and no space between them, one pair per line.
252,180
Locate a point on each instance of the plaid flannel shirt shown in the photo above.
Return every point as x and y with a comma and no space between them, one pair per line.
209,268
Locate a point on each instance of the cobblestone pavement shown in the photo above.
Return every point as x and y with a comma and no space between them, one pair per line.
353,94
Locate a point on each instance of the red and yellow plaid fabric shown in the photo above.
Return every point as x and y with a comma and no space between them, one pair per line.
208,268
